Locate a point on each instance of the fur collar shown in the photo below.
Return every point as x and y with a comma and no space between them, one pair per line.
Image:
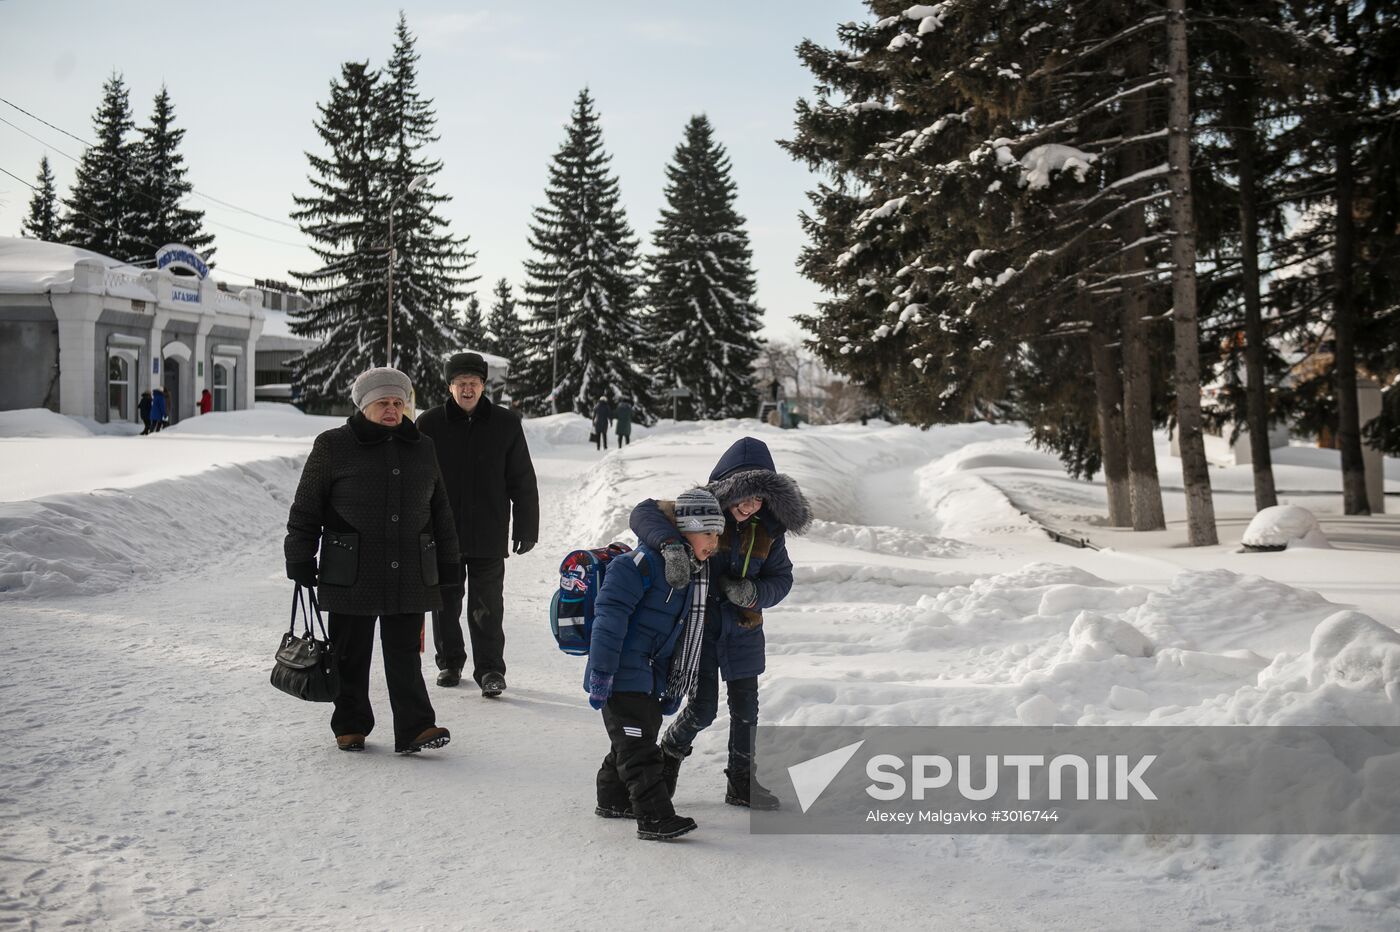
783,501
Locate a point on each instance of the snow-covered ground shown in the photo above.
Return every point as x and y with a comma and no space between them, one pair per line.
151,778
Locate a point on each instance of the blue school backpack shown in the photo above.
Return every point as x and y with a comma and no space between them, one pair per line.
580,580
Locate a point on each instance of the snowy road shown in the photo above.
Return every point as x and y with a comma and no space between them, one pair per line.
151,778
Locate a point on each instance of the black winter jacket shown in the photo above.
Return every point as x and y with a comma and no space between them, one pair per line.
372,499
486,467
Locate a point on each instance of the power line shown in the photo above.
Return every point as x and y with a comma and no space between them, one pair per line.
224,203
208,197
220,268
20,180
211,222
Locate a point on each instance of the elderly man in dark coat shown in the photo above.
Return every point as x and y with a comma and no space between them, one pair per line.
486,466
371,498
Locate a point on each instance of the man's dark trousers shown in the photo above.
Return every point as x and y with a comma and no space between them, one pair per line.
631,772
481,584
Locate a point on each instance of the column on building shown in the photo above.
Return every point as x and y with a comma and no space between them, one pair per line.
252,298
77,313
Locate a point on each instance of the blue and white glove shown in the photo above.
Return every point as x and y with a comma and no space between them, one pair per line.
599,688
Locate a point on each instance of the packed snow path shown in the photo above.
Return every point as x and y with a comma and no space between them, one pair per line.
151,778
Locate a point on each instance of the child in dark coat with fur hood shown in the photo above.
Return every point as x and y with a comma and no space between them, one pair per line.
751,572
644,656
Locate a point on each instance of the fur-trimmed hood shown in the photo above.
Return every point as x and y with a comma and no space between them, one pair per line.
746,469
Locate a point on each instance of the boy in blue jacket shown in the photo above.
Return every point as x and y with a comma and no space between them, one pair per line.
643,659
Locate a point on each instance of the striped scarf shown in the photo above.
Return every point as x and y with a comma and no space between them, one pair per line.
685,662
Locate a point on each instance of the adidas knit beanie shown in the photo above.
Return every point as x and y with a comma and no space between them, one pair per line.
698,510
382,382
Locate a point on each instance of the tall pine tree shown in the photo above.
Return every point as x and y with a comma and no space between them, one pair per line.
344,218
703,323
581,287
432,268
473,326
42,222
160,185
505,338
101,207
374,128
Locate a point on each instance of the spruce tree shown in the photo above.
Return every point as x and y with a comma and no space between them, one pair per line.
374,128
1342,250
432,268
42,222
345,220
473,327
161,186
581,286
703,323
101,207
505,338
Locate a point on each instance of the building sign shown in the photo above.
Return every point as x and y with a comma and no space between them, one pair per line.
180,294
176,256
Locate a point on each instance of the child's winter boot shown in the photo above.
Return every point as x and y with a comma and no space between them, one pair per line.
743,790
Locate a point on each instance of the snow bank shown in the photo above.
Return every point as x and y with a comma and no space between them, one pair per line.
1278,527
268,421
95,542
40,422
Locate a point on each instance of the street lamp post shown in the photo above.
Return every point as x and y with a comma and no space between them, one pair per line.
413,185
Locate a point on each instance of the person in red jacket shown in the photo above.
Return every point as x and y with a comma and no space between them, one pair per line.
206,402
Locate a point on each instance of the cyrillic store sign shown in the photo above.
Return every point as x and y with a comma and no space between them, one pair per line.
177,256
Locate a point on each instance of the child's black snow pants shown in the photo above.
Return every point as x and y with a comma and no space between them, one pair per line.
631,773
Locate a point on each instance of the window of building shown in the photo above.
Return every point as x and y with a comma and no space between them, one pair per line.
119,371
223,385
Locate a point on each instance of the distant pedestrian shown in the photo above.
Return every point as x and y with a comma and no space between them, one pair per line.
159,412
206,402
623,416
144,406
602,416
372,501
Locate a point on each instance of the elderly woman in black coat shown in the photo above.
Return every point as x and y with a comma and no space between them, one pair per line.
372,499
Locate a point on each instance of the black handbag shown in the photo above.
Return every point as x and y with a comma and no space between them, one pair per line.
593,437
306,667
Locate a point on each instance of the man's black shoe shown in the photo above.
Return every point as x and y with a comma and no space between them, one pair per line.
673,826
450,677
492,685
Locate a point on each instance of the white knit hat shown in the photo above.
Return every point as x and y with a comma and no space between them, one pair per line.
382,382
698,510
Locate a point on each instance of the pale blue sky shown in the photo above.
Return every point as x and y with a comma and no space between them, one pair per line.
246,78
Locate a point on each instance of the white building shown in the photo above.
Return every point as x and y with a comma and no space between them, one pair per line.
85,335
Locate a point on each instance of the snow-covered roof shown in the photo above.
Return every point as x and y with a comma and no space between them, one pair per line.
32,266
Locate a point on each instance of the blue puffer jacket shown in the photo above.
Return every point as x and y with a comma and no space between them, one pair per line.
636,623
757,549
